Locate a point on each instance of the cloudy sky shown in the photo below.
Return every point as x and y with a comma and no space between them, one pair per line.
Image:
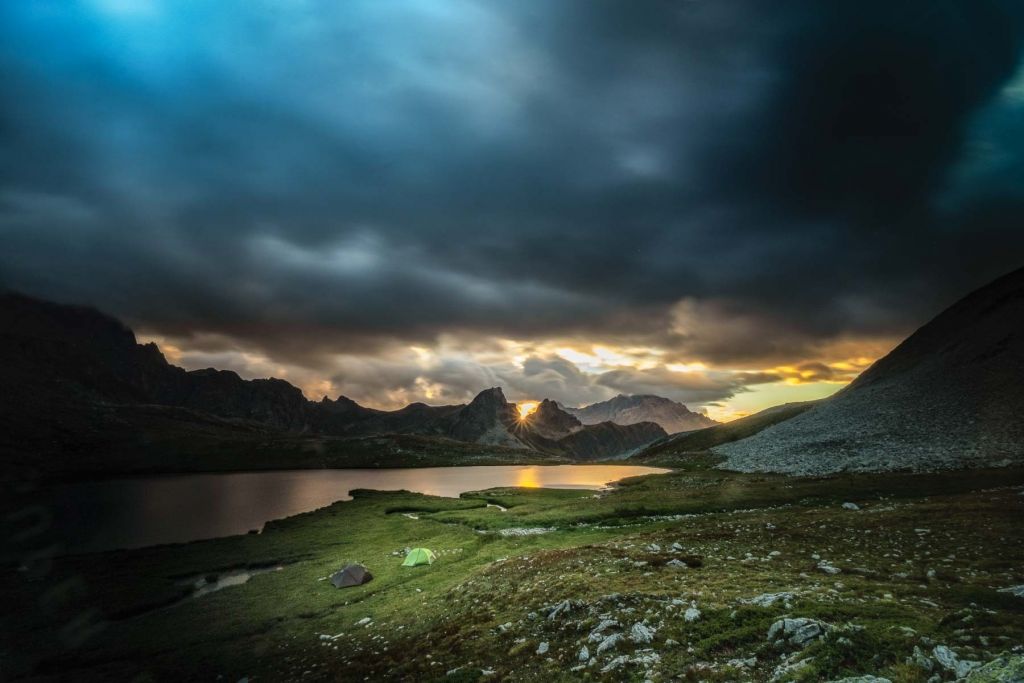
727,202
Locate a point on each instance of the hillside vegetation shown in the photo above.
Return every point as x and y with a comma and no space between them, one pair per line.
692,574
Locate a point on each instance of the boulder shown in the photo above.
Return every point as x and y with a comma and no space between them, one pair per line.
609,643
799,632
1003,669
641,633
949,660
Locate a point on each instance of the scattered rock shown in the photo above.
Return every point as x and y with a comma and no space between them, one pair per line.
640,633
769,599
854,506
1002,669
597,634
861,679
949,660
748,663
1014,590
524,531
789,665
920,659
828,568
609,643
692,614
558,609
542,649
615,663
584,655
799,632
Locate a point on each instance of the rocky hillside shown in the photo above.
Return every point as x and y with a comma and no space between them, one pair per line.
702,440
489,419
950,396
608,440
552,422
626,410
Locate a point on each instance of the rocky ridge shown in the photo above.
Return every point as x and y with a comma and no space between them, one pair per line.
949,396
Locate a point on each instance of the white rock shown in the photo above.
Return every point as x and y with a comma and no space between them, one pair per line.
609,643
584,654
564,607
615,663
641,633
692,614
769,599
742,663
828,568
852,506
542,649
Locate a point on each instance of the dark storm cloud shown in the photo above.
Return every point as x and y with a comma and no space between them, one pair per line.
314,177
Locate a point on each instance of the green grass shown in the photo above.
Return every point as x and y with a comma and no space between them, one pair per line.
925,552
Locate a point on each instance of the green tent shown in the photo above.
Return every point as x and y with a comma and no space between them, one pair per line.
418,556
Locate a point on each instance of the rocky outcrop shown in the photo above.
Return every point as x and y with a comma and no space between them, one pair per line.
799,632
950,396
1003,669
489,419
552,422
626,410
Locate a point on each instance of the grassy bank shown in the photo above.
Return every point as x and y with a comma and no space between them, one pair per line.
919,564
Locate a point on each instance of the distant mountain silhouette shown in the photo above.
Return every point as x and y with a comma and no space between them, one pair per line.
626,410
75,378
951,395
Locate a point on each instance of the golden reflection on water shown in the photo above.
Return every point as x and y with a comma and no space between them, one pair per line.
131,513
527,478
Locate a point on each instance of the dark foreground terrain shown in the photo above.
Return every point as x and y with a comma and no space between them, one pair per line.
695,575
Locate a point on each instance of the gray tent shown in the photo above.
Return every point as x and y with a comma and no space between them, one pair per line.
351,575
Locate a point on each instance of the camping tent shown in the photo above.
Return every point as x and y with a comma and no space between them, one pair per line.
351,575
418,556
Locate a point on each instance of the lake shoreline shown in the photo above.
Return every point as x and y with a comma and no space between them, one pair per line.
739,549
129,513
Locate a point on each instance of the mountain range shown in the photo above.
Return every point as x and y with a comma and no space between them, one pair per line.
82,396
75,376
626,410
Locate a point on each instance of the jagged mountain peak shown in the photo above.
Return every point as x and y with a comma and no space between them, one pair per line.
551,422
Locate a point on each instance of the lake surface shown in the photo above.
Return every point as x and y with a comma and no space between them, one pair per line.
133,513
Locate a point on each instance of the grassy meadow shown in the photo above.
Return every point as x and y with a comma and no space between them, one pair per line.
673,569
